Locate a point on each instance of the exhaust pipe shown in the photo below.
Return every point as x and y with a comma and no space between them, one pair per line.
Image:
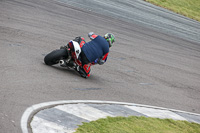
62,63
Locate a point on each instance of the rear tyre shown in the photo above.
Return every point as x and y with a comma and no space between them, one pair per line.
54,57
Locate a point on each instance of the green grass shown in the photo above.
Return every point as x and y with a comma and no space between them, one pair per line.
188,8
134,124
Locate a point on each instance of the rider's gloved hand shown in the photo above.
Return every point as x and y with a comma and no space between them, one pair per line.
90,35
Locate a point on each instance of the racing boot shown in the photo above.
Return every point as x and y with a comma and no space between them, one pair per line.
82,72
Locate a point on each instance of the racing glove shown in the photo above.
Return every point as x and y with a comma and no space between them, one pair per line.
90,35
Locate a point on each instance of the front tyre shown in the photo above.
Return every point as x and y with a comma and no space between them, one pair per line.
54,57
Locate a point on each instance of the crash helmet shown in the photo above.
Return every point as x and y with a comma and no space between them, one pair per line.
110,38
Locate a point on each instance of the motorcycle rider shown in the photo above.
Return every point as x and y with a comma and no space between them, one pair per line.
94,52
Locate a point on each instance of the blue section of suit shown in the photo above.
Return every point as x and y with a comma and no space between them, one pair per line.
95,48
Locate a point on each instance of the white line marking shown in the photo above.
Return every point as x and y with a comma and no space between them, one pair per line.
40,125
156,113
84,111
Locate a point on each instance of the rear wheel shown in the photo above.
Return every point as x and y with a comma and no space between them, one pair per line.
54,57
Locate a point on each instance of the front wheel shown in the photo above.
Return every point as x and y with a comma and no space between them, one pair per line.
54,57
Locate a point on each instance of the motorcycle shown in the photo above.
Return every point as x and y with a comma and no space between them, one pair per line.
69,56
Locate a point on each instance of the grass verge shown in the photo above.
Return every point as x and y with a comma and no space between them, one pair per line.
188,8
134,124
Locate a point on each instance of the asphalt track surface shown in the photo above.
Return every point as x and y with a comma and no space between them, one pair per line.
147,65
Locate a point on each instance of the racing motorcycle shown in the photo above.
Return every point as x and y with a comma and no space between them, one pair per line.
68,56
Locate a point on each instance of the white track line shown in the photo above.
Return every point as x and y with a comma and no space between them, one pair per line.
44,126
156,113
85,111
